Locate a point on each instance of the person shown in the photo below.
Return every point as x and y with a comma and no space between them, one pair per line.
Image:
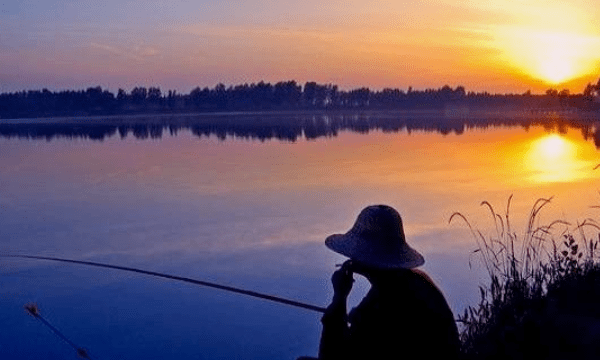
404,315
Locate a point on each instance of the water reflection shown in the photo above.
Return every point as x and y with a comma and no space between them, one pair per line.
286,127
556,158
252,215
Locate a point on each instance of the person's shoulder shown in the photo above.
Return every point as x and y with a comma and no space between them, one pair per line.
422,274
420,277
426,285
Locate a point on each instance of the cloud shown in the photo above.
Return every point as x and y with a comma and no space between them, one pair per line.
567,15
139,53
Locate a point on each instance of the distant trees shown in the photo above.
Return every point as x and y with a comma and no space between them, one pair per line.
287,94
36,103
262,96
320,96
592,91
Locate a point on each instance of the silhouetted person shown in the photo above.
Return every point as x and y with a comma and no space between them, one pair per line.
403,316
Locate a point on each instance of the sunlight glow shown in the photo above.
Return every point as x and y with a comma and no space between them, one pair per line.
556,69
551,56
554,159
553,147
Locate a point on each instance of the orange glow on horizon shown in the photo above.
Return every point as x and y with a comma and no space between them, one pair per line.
554,57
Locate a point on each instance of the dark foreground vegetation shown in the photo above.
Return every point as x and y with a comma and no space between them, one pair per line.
543,298
285,95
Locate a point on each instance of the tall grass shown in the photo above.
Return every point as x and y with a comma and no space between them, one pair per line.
33,310
543,298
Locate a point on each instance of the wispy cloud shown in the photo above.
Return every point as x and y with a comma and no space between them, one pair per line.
139,53
338,37
566,15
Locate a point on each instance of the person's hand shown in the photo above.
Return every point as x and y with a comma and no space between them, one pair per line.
342,280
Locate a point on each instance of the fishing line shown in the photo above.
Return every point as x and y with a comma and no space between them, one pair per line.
178,278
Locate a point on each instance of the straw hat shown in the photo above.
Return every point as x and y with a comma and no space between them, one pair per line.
377,239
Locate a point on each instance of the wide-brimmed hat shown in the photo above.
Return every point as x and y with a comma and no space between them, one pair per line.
377,239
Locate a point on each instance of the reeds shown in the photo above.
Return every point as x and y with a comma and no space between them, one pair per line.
544,287
33,310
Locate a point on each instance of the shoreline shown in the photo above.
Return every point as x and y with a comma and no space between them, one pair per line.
185,117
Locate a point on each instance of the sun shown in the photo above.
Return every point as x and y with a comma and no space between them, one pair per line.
553,57
556,69
558,56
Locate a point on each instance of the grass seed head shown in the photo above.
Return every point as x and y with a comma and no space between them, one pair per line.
32,309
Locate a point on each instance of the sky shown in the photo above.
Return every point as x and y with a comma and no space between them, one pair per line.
496,46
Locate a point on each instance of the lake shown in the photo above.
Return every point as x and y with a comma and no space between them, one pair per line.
247,200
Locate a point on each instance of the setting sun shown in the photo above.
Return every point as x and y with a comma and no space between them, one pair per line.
554,57
556,69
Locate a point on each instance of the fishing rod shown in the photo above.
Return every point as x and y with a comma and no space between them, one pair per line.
177,278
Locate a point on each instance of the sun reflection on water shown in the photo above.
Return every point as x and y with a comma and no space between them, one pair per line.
554,158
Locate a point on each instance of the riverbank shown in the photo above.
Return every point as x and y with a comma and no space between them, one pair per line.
453,113
541,299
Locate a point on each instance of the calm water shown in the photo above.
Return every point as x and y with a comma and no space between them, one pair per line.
249,211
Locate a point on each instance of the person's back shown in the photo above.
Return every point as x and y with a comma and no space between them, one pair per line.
405,314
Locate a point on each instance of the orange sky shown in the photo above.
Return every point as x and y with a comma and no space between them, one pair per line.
500,46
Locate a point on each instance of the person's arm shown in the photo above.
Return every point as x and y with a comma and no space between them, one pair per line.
335,338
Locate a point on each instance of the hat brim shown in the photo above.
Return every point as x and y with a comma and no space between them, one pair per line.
354,247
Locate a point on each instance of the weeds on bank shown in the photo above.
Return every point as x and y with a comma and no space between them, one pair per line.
33,310
542,299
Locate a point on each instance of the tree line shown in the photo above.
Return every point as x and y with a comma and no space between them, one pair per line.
285,95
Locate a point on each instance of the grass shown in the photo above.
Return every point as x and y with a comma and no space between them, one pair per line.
33,310
543,298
